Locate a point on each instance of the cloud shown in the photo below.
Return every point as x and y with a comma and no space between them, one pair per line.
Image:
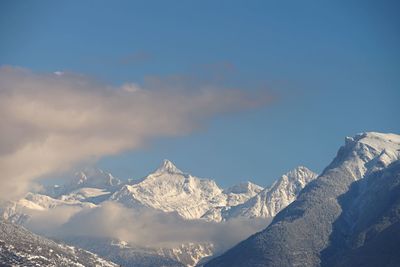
50,122
149,228
50,221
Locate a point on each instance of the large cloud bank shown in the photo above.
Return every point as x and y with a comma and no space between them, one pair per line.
51,121
145,228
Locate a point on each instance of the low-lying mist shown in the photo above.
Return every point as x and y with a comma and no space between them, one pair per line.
146,228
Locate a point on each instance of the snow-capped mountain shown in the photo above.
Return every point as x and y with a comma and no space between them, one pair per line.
19,211
268,202
348,216
275,198
124,254
188,254
241,192
87,178
167,189
367,233
171,190
19,247
87,194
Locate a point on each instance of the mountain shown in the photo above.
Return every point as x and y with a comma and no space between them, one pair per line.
171,190
124,254
167,189
19,211
268,202
19,247
240,193
367,233
87,194
348,216
87,178
188,254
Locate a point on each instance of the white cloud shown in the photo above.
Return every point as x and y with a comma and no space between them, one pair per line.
50,122
149,228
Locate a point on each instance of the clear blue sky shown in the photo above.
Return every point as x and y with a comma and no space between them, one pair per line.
334,66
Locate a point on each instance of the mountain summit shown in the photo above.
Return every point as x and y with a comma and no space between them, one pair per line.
169,189
348,216
90,177
266,203
169,167
273,199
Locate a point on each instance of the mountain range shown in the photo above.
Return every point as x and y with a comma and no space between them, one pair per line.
349,215
167,189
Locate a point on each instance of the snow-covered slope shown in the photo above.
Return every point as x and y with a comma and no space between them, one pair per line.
124,254
367,232
87,194
275,198
346,210
268,202
88,188
19,211
235,195
88,178
240,193
188,254
43,202
169,189
19,247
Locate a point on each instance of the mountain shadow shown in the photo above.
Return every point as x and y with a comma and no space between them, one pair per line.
367,233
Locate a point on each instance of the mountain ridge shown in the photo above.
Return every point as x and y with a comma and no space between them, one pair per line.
286,241
20,247
166,189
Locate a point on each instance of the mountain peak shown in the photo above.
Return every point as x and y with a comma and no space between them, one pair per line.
95,177
367,152
168,166
243,187
300,173
361,183
374,138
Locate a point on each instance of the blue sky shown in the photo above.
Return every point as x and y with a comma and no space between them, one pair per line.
333,67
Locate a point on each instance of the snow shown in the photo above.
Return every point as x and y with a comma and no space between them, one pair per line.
341,212
269,201
19,211
169,167
82,194
242,188
19,247
46,202
367,152
168,189
88,178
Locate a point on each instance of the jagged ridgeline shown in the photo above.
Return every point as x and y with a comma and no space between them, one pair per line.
349,216
165,190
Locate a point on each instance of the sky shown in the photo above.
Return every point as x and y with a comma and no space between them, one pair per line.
321,70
